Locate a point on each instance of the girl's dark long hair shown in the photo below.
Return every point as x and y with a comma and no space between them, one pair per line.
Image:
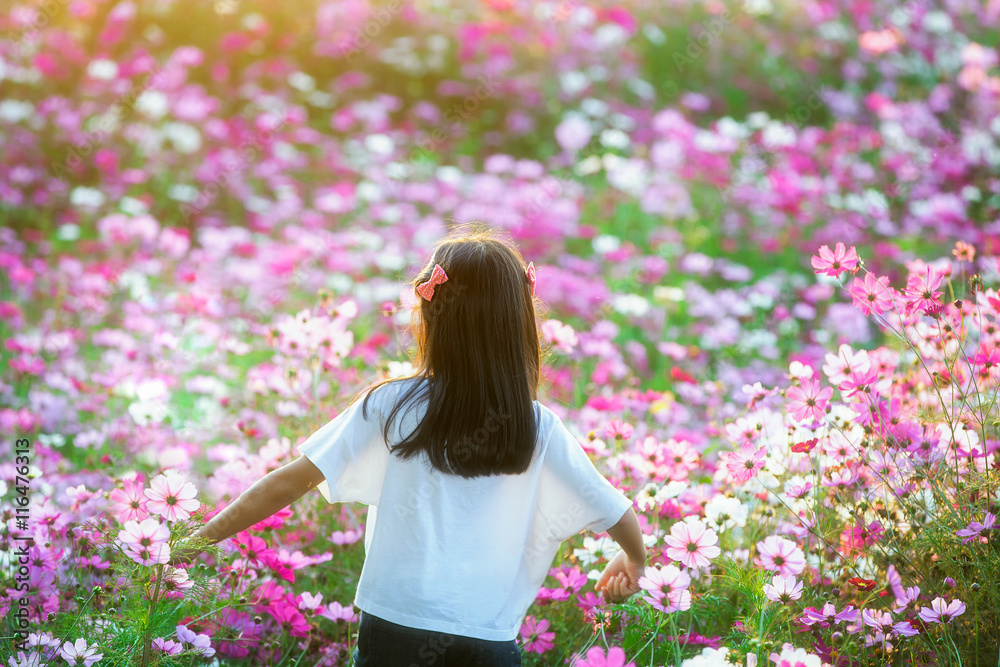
478,350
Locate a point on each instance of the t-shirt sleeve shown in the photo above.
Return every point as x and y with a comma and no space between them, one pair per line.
573,495
351,453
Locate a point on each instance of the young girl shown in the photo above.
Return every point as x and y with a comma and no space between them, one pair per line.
472,484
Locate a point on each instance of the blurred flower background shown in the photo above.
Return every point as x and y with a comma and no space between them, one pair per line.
766,234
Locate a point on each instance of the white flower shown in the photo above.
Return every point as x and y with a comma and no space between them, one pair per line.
709,657
722,512
102,68
595,550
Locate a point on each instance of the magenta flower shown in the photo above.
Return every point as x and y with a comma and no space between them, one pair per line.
871,294
172,497
781,555
596,657
79,653
835,262
746,462
534,636
289,618
973,530
129,504
807,402
920,294
783,589
692,543
939,612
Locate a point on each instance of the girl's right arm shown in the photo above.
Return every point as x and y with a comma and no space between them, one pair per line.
620,578
271,493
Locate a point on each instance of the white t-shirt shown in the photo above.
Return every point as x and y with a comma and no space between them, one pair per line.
449,554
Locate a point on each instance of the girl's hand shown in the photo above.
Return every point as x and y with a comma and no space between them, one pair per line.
620,578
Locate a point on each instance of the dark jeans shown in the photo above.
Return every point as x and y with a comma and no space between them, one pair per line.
385,644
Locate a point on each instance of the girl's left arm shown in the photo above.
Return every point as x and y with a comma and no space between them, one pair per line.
271,493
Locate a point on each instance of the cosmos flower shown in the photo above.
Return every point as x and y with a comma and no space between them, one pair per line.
783,589
596,657
745,462
941,612
835,262
781,555
129,504
79,653
808,402
692,543
535,637
172,497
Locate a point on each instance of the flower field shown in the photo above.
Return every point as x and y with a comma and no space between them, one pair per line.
767,242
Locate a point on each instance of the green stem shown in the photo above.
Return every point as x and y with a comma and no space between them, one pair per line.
148,634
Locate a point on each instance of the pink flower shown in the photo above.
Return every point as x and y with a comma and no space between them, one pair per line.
619,430
573,133
534,636
781,555
309,601
561,336
129,504
168,646
144,534
79,653
881,41
795,657
783,589
836,262
692,543
871,294
829,615
146,542
939,612
596,657
668,583
338,612
839,366
807,402
746,462
920,294
880,620
171,497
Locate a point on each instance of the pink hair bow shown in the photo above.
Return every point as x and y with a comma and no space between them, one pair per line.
530,272
438,276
